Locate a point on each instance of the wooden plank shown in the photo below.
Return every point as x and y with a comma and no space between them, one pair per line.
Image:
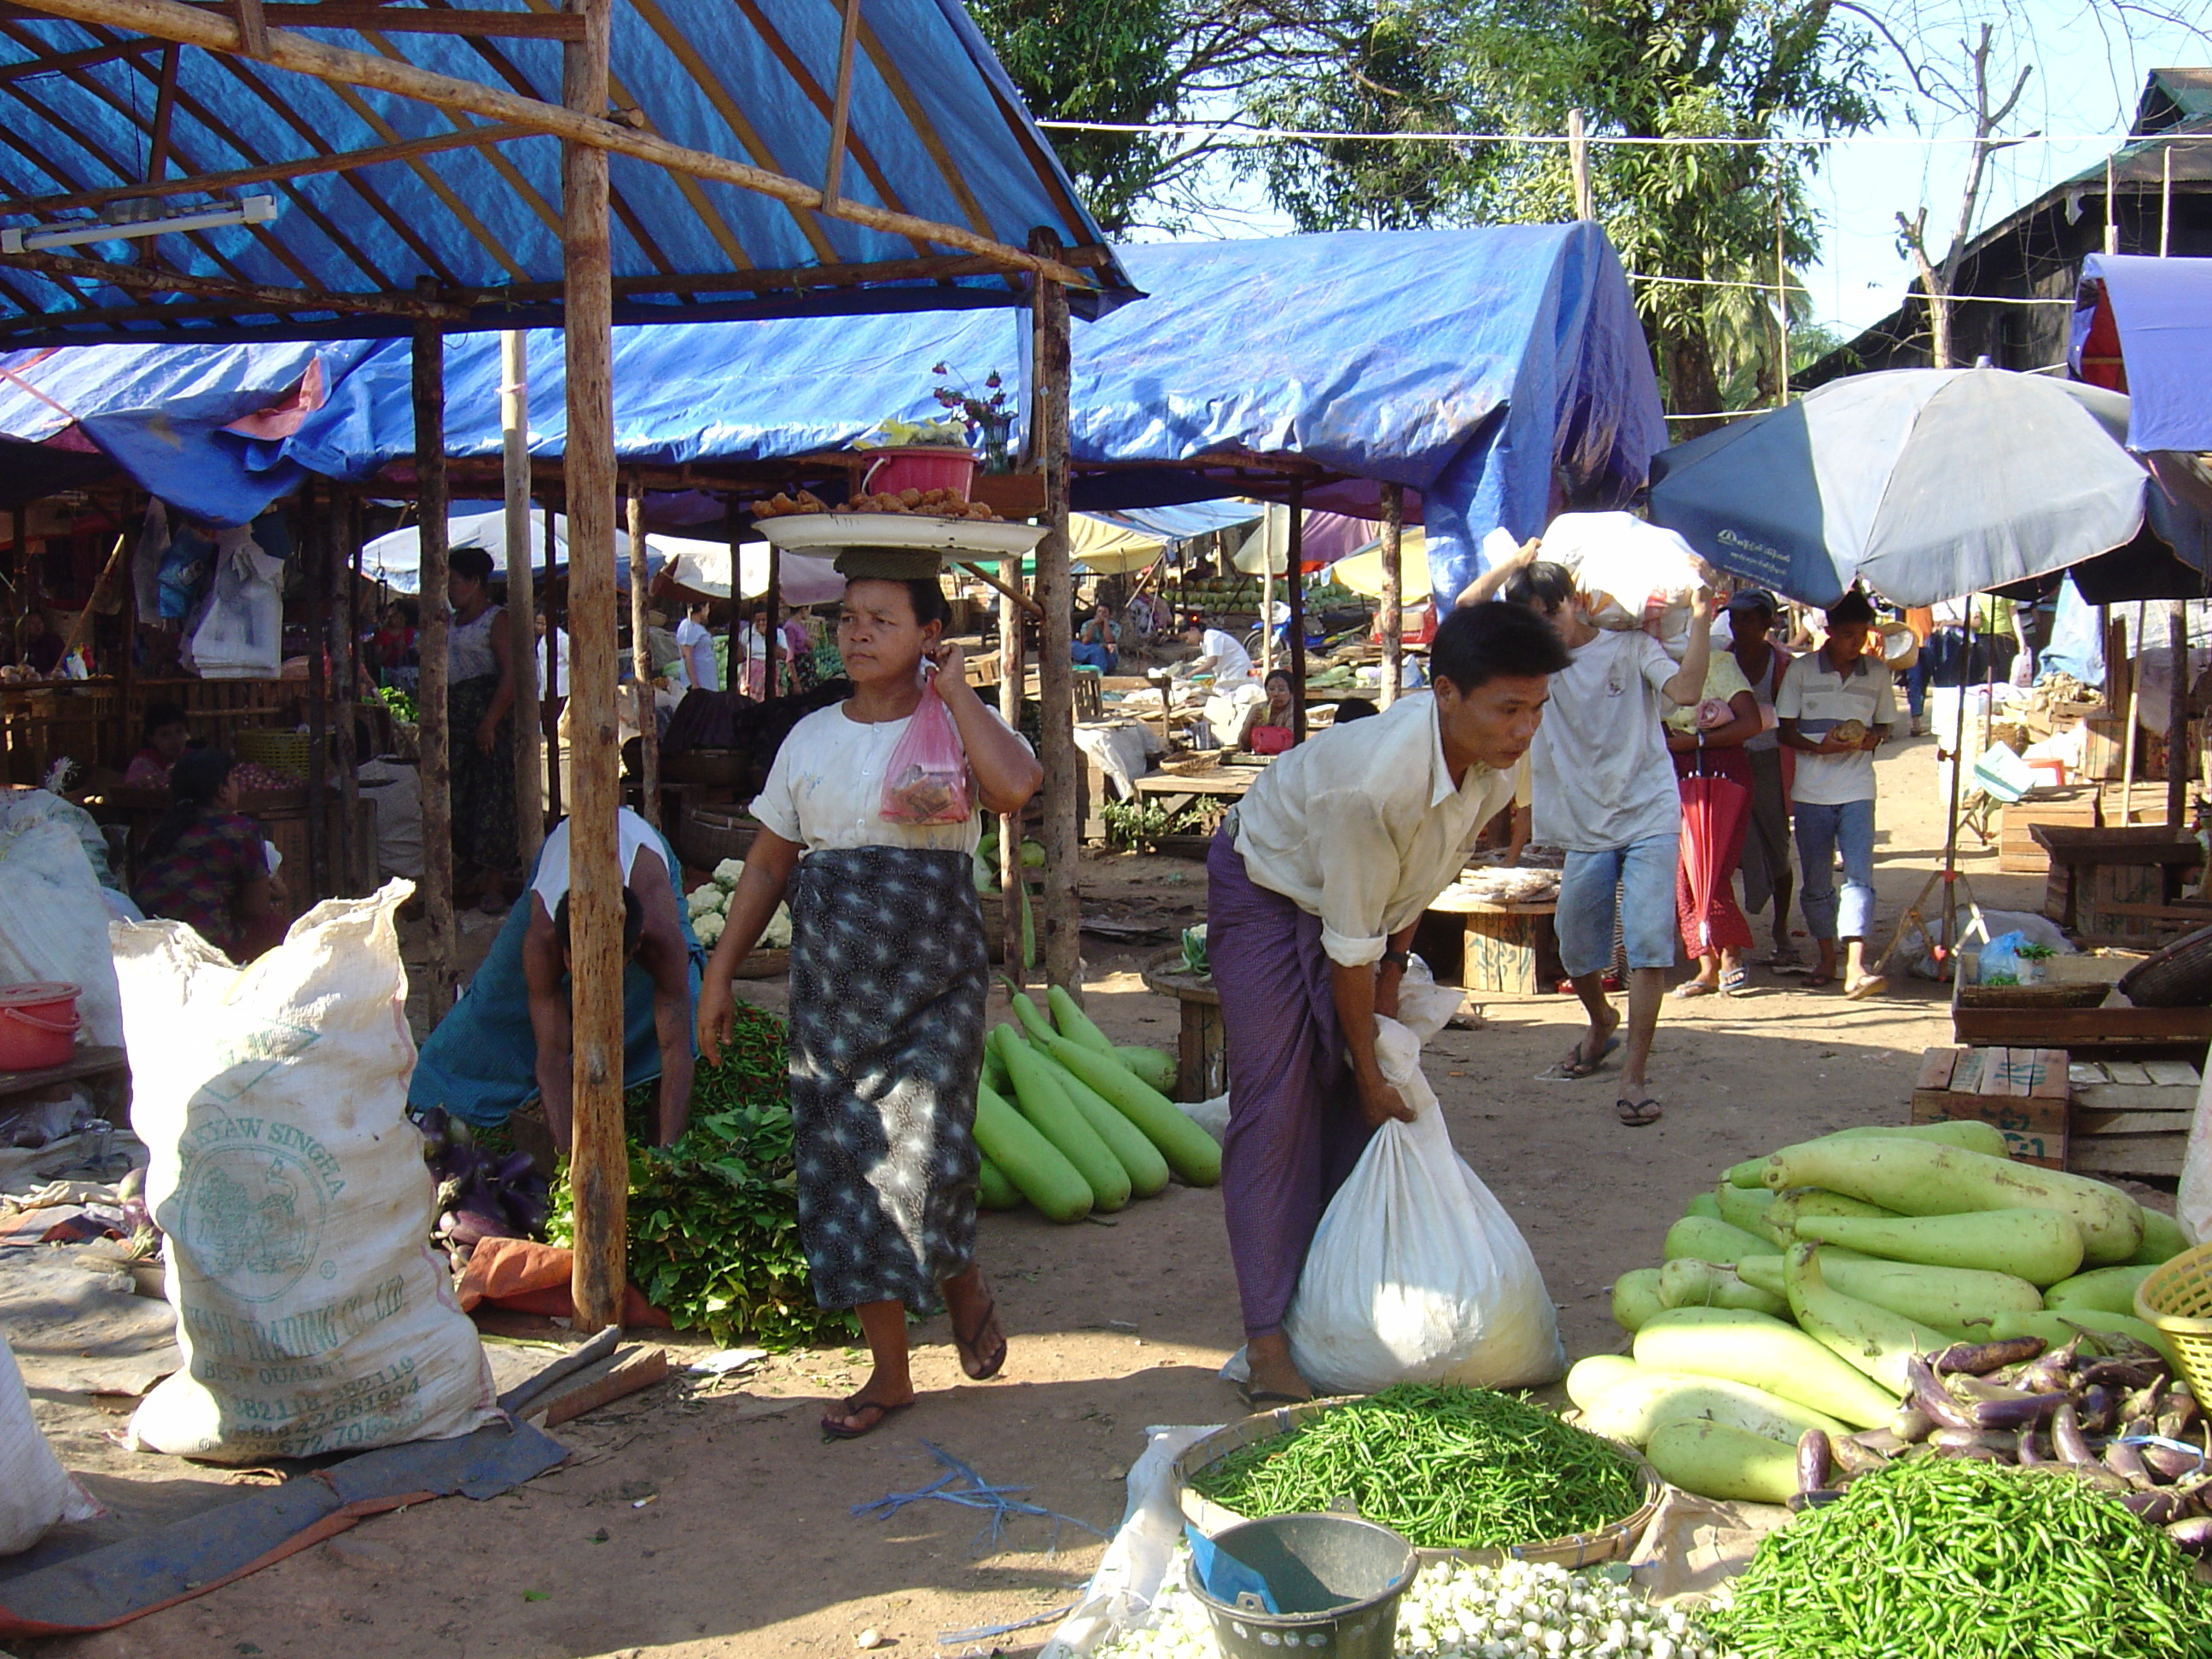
2130,1123
2082,1027
2133,1073
2134,1097
2052,1081
2174,1073
2139,1155
630,1371
521,596
600,1163
1967,1077
1936,1066
2035,1131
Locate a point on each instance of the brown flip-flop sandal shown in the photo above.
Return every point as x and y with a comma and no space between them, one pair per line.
837,1429
981,1367
1637,1114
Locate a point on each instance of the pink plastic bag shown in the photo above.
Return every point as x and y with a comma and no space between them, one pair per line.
926,780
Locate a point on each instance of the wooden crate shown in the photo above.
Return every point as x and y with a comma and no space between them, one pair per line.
2126,1033
2112,886
2131,1118
2020,1092
1511,948
2102,756
2017,850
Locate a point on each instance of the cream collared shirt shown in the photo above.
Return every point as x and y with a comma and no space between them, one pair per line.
1361,825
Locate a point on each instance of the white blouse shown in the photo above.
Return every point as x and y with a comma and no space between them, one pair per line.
828,782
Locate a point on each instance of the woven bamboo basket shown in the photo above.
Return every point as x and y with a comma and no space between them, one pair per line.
1610,1543
708,835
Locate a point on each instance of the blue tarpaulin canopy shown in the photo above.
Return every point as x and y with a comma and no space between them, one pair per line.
1472,367
2144,326
375,189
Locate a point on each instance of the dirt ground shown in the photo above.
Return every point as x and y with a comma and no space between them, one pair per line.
716,1520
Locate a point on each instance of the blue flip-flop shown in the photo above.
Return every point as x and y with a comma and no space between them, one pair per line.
1578,1068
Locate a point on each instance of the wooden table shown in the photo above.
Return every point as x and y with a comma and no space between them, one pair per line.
1503,947
1180,789
1202,1047
105,1071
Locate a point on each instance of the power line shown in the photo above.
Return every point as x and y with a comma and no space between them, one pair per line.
1800,288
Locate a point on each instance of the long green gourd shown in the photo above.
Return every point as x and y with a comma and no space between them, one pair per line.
1958,1301
994,1190
1148,1170
1973,1135
1033,1164
1046,1104
1190,1151
2040,1246
1074,1024
1751,1347
1879,1342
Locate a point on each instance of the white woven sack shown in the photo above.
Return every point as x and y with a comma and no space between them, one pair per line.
2193,1208
1631,573
1416,1274
35,1490
53,922
312,1313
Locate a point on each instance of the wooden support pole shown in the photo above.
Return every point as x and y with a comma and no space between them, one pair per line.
841,108
1062,911
1578,165
733,531
358,862
1014,681
1297,556
998,585
521,596
559,683
599,1166
641,658
432,731
1394,594
773,600
2177,722
1266,603
316,535
2135,711
2166,201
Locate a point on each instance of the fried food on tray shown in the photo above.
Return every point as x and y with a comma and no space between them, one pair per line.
905,503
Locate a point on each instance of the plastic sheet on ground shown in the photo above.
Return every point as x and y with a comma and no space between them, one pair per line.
1129,1573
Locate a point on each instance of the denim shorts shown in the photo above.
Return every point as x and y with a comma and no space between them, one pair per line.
1644,871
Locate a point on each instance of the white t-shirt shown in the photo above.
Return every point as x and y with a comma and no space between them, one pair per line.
697,647
553,683
1232,664
1818,698
1603,778
633,834
827,786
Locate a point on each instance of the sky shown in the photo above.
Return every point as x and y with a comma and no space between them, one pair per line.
2087,77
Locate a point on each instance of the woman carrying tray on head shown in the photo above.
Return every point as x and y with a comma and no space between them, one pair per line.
888,976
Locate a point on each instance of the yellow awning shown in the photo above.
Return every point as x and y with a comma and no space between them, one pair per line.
1363,572
1108,550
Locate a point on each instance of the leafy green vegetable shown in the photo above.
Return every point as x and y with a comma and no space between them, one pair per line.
1444,1467
714,1220
402,706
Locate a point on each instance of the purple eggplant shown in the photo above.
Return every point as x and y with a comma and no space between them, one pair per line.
1854,1456
2179,1415
2016,1412
1882,1441
2171,1463
2127,1462
2156,1507
2067,1439
2054,1372
1814,1461
2027,1448
1980,1358
2193,1535
1969,1440
2094,1406
1929,1396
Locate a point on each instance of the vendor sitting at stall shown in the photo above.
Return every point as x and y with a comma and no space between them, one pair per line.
206,864
1099,644
1219,654
507,1041
1317,882
1272,726
167,737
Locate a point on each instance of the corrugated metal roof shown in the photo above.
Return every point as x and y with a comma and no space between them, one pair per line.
2173,98
469,204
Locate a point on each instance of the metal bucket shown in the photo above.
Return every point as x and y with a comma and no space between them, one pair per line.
1335,1580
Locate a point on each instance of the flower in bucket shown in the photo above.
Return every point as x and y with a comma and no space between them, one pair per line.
989,412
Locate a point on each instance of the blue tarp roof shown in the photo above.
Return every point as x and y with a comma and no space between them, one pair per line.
1465,365
2163,311
936,131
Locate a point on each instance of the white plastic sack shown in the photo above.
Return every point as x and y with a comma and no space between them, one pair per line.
1631,573
2193,1208
20,807
311,1312
240,632
1135,1562
35,1492
396,791
53,922
1915,951
1416,1274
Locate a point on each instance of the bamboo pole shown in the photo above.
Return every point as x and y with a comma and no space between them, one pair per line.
773,600
641,658
1578,164
2135,713
521,596
317,538
575,124
360,861
2166,201
598,1167
733,531
432,731
1394,593
1297,558
1061,911
550,715
1014,680
1266,603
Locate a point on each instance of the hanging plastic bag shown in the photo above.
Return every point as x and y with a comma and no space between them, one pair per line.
926,780
1416,1274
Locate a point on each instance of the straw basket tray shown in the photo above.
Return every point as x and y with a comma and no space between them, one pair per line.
2177,1301
278,751
1610,1543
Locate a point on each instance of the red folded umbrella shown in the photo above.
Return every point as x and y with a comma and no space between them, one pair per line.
1716,812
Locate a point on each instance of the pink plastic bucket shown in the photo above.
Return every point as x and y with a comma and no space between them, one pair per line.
38,1026
920,469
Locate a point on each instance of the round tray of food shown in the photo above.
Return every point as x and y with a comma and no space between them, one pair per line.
1458,1473
941,521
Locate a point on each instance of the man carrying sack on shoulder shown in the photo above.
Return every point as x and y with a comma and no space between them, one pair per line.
1317,882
